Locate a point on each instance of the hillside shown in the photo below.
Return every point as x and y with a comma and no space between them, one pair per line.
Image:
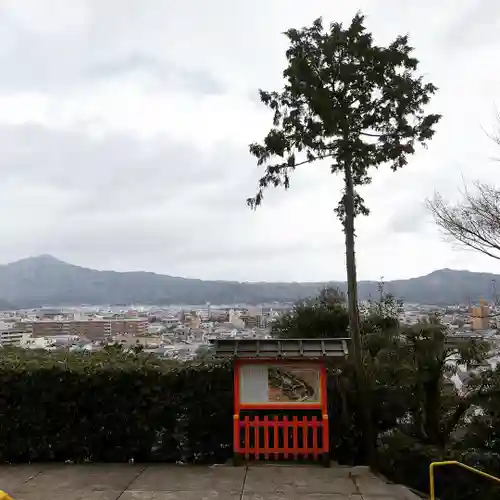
45,280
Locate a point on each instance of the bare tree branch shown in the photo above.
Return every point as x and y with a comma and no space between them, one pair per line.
473,222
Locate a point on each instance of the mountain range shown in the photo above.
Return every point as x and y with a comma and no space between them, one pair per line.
48,281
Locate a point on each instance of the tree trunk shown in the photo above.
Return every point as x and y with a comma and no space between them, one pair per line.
354,323
432,408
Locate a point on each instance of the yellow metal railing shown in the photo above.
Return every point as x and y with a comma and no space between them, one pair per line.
433,465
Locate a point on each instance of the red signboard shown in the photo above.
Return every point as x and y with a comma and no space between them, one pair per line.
280,409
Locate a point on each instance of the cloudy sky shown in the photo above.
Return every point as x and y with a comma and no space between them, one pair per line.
125,124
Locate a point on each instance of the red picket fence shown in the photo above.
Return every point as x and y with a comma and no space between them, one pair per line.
281,438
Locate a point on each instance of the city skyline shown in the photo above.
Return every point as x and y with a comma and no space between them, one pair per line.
124,133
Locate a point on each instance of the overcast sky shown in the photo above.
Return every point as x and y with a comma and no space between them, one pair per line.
125,124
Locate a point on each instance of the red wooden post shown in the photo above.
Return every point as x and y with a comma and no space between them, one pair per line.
247,437
256,434
324,410
295,438
305,435
236,433
286,448
315,437
276,437
267,444
236,416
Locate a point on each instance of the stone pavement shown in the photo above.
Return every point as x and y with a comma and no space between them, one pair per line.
183,482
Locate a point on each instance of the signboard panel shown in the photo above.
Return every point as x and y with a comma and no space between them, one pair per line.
253,383
278,383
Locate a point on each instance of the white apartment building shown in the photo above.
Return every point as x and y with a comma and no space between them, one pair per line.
36,343
12,336
169,321
235,319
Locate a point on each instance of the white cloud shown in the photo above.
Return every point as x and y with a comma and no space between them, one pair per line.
124,131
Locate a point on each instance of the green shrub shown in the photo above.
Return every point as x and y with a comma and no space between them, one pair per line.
404,460
111,406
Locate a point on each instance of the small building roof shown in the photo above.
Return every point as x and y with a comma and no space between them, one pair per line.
280,348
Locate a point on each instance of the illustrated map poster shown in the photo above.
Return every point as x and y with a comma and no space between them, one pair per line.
279,383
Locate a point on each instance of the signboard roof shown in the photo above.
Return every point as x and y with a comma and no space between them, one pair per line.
280,348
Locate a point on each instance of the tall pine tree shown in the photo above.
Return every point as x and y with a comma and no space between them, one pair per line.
357,105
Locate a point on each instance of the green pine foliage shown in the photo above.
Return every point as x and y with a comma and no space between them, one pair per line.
345,100
322,316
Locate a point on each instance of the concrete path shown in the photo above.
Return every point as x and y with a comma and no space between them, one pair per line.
178,482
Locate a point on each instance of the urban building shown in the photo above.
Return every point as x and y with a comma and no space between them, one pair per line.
480,316
12,336
235,319
12,333
147,341
219,315
92,329
170,321
253,318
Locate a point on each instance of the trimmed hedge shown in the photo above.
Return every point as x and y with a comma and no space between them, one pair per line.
112,407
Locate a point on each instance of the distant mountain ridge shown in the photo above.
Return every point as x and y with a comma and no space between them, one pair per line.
46,280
